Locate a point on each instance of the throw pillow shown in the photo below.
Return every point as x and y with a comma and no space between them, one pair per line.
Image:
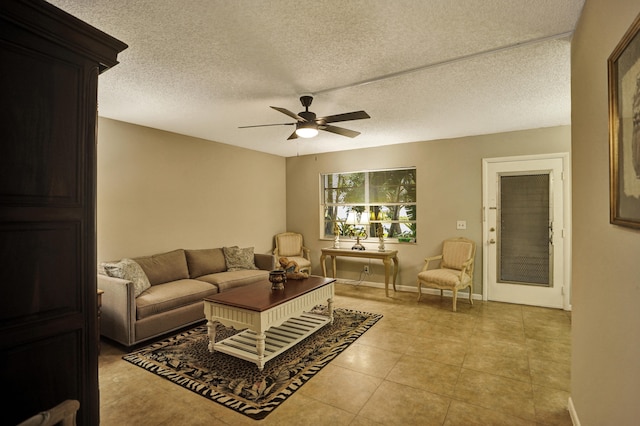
129,270
238,258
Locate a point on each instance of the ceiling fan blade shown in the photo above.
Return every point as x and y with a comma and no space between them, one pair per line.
289,113
294,135
340,131
266,125
347,116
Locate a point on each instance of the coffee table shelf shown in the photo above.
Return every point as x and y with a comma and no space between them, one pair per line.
278,339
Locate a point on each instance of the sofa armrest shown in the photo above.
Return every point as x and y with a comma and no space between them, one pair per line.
118,313
266,262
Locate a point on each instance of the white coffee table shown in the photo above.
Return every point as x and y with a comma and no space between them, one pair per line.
273,320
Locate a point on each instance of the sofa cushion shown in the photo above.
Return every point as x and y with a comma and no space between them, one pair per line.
164,267
232,279
205,261
165,297
130,270
238,258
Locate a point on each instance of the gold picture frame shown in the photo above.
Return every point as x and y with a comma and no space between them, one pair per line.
624,129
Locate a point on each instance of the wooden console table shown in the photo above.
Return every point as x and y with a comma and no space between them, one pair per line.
386,256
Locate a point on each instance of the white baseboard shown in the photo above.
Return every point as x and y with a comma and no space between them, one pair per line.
406,288
573,413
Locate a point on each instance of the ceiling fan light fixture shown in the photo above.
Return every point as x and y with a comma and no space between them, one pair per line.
307,130
308,125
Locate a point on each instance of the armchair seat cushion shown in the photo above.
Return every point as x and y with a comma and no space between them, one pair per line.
448,278
302,262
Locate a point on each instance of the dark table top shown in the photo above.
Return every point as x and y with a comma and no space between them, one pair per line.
260,297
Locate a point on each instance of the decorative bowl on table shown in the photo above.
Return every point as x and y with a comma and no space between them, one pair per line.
277,278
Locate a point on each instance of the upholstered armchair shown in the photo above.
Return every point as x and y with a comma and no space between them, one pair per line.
455,271
291,246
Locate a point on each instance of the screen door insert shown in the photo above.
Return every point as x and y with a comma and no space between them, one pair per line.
525,229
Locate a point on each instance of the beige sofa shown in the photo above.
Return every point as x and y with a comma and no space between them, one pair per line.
146,297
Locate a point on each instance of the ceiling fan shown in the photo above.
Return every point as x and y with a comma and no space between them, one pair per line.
307,124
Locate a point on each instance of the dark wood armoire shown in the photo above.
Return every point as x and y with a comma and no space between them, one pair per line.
49,67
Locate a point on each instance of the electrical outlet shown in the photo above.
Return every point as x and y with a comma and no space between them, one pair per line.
366,269
461,224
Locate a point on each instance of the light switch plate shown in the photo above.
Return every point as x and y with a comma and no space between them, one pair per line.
461,224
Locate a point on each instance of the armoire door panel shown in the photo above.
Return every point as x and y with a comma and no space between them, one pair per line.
40,265
45,154
50,364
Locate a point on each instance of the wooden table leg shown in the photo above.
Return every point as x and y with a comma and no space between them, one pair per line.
395,271
211,330
333,266
260,338
323,257
387,263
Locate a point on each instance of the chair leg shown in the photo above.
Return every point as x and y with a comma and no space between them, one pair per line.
470,296
419,292
455,298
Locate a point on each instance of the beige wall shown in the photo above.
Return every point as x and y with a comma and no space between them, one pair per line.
449,188
160,191
605,370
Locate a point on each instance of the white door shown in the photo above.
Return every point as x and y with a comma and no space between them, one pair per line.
524,203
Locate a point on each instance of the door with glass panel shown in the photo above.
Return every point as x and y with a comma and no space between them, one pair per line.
524,231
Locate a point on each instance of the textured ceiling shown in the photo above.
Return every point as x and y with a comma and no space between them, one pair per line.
422,69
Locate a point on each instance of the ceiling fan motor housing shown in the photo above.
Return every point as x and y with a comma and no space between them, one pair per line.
308,115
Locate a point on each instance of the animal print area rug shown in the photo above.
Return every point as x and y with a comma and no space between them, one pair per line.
239,385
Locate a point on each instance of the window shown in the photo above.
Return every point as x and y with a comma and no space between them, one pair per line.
365,203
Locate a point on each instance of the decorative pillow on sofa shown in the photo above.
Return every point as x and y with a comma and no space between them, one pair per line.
129,270
238,258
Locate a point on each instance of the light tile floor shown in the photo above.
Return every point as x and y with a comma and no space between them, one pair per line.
487,364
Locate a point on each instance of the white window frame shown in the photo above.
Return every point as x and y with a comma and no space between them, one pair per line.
408,225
